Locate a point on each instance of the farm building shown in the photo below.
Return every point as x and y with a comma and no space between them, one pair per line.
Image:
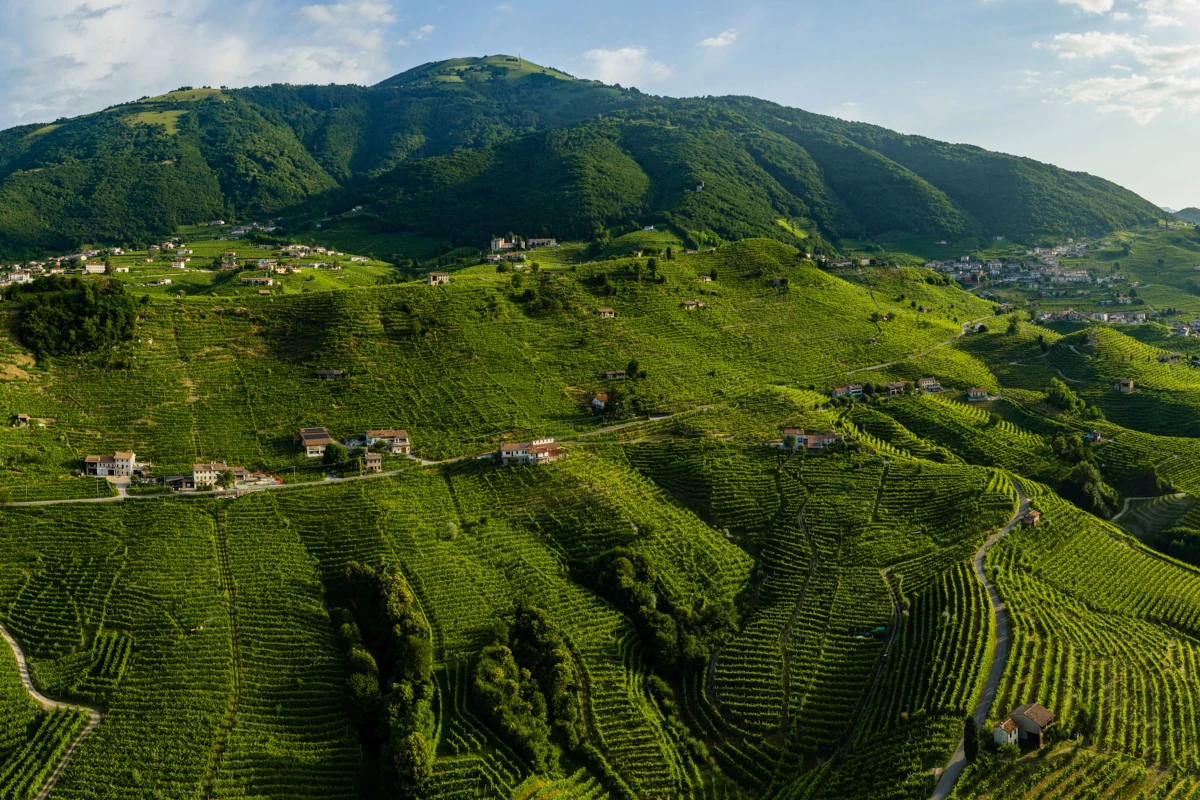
606,313
1030,722
615,374
93,269
257,280
396,440
1124,386
119,465
600,401
120,269
809,441
314,441
1005,732
893,389
692,305
501,244
330,374
931,385
544,242
976,394
1170,358
1032,519
22,421
538,451
163,282
373,462
706,279
264,292
438,278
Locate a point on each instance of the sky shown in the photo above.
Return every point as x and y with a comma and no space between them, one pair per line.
1110,87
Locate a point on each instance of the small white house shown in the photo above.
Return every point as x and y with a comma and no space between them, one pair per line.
1006,732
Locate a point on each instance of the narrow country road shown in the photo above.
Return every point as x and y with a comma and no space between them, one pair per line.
999,656
49,705
1125,508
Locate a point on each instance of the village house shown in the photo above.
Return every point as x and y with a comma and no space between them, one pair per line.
615,375
119,465
976,394
896,388
204,475
330,374
314,441
93,269
257,280
1124,386
163,282
179,263
500,244
1027,723
184,252
1170,358
396,440
606,313
809,441
359,259
692,305
373,462
494,258
931,385
22,421
849,390
120,269
599,402
1032,519
536,243
438,278
706,279
538,451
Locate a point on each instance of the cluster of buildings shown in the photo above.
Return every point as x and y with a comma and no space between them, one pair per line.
502,245
537,451
315,440
1108,317
799,439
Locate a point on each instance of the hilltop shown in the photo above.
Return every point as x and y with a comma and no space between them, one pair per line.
426,150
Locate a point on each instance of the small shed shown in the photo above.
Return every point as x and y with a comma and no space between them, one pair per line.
373,462
1032,519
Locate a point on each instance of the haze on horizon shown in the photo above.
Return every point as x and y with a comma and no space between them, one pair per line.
1110,87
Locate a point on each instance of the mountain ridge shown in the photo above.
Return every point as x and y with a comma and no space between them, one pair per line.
617,158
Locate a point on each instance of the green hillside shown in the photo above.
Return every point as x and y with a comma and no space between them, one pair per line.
465,148
677,608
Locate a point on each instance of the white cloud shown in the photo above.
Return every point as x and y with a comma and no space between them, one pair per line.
627,66
1143,98
416,35
1169,13
504,8
1094,45
723,39
68,57
1120,16
1090,6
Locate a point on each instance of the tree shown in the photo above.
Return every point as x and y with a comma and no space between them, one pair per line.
632,369
970,737
652,265
414,765
334,454
226,479
670,253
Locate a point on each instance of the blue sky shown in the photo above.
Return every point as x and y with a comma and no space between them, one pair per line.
1107,86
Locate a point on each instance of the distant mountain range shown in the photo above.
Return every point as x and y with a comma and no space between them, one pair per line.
1190,214
468,147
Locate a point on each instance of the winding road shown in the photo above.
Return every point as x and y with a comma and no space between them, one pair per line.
999,655
50,705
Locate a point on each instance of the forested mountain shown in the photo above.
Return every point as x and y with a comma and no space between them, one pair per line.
1189,214
432,149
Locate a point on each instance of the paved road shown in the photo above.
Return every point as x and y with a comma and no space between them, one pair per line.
999,656
49,705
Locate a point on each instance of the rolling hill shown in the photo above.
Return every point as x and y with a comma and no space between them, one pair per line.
429,149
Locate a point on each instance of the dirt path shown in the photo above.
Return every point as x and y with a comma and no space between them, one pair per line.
999,655
50,705
785,637
962,332
1125,508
